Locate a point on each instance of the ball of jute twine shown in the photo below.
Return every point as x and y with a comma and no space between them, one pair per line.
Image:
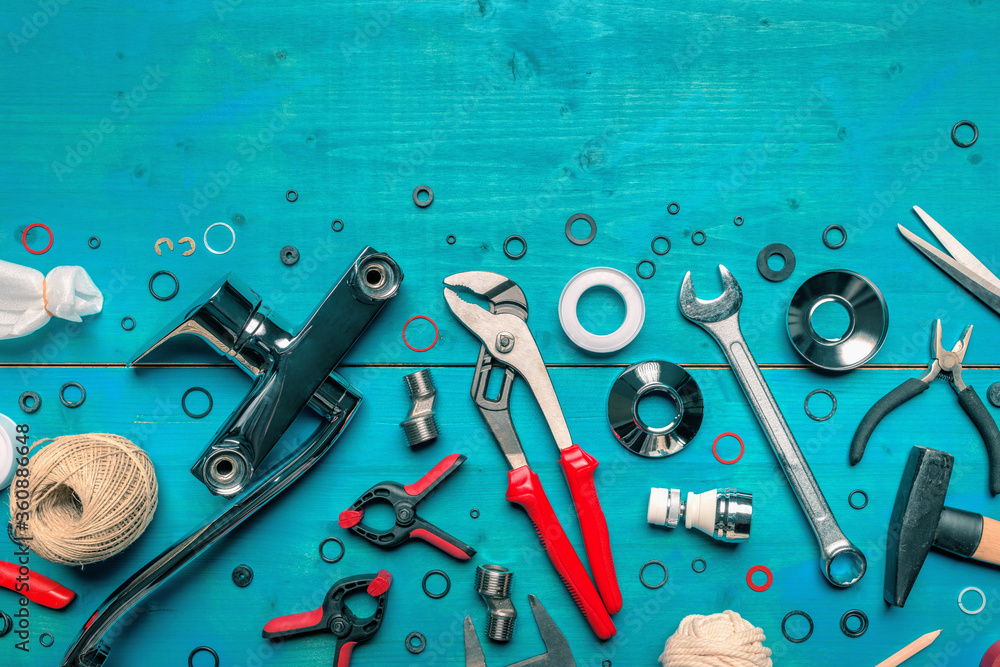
719,640
89,497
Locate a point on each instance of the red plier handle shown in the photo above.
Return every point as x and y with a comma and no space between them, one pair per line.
579,467
526,490
36,587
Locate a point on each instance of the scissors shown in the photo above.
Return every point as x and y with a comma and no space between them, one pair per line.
961,265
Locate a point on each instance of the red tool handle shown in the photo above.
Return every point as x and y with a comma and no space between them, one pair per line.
526,490
429,480
579,467
305,620
34,586
343,657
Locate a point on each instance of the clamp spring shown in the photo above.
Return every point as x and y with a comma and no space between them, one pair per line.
420,424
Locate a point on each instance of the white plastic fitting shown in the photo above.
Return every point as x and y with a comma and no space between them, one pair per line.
724,514
601,276
8,436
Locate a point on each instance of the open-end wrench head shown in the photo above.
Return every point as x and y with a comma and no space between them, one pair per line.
718,309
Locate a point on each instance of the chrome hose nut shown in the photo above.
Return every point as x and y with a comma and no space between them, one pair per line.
420,424
493,585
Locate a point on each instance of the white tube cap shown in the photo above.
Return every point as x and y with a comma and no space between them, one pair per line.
664,507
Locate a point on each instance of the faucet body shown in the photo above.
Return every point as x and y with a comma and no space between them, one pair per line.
290,371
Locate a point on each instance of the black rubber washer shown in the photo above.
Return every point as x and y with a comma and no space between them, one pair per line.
447,585
289,255
606,662
41,639
451,239
704,237
673,208
653,245
70,404
327,559
203,649
242,575
338,225
7,624
474,513
569,229
416,196
638,269
993,394
419,647
826,237
184,403
34,407
645,583
524,246
858,614
292,195
804,615
850,499
94,242
128,318
832,410
177,285
954,135
704,565
738,221
769,251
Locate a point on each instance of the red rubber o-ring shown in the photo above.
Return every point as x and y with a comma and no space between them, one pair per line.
24,238
716,453
420,317
755,569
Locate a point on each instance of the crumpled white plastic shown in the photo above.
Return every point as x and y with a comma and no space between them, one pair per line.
28,299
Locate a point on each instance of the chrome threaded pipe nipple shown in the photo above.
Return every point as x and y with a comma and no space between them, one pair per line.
493,585
420,424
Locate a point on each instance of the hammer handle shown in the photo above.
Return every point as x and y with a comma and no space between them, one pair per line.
980,416
877,413
988,550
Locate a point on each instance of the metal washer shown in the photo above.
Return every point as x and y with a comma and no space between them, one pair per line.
654,377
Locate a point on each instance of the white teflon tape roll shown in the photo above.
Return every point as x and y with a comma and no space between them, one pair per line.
8,436
602,276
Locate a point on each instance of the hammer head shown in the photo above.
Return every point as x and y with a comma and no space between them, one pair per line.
915,518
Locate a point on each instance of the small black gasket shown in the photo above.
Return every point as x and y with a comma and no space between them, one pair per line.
6,624
954,133
292,195
327,559
474,513
694,567
416,196
782,251
131,323
826,237
694,235
71,404
177,285
638,269
242,575
23,402
993,394
652,245
738,221
289,255
41,639
606,662
832,409
858,614
673,208
337,225
450,239
569,229
419,646
642,571
850,499
447,584
797,640
184,403
203,649
524,246
94,242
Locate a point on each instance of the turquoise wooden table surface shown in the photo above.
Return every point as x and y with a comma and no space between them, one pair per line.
132,122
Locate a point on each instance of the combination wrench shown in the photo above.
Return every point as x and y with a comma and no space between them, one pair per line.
843,564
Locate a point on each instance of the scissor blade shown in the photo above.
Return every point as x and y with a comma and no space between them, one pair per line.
956,249
980,287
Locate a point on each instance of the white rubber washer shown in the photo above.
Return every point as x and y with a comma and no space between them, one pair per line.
8,436
602,276
970,589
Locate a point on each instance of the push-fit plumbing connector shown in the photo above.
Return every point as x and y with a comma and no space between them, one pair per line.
722,513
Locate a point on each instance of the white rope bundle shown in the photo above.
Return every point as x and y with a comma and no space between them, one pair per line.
719,640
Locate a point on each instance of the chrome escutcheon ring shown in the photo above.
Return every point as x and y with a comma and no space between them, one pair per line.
654,377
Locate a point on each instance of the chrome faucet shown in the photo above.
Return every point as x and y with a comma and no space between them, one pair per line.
290,371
